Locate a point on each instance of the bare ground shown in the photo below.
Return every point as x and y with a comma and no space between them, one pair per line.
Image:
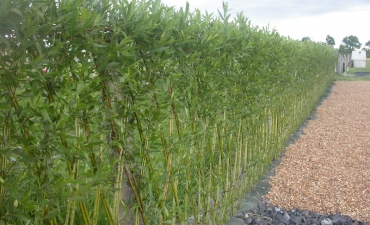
328,168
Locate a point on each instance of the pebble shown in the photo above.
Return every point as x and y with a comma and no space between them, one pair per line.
267,214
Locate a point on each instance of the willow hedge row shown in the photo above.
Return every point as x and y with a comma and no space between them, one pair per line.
132,112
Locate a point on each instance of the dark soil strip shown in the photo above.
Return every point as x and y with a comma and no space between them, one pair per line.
362,74
268,214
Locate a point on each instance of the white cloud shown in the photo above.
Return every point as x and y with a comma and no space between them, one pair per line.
297,18
336,24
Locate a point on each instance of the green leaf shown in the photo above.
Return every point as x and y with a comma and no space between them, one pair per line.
97,19
100,45
160,49
45,114
5,41
17,11
5,106
125,53
22,217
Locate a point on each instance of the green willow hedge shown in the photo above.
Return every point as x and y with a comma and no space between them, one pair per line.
117,112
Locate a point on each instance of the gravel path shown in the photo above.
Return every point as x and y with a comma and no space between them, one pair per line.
327,170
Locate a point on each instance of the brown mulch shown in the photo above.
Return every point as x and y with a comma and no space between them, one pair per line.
328,168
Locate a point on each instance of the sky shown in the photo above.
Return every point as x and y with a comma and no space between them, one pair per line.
297,18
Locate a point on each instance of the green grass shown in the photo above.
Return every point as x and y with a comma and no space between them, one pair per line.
351,72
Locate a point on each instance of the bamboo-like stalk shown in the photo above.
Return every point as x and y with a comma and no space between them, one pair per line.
3,160
169,154
84,213
96,207
69,218
53,222
118,186
2,174
245,159
224,209
199,198
209,207
72,170
106,209
12,96
189,199
175,201
92,155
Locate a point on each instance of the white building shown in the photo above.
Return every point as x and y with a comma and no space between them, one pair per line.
359,59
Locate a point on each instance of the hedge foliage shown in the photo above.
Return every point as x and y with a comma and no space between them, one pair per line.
133,111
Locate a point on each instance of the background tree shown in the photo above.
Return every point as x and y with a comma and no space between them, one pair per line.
305,39
330,40
351,43
367,49
368,44
343,49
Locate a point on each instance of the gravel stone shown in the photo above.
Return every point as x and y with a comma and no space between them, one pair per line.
327,169
323,176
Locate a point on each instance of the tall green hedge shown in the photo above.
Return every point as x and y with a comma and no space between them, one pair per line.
133,112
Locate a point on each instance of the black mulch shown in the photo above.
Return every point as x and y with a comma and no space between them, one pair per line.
268,214
362,74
